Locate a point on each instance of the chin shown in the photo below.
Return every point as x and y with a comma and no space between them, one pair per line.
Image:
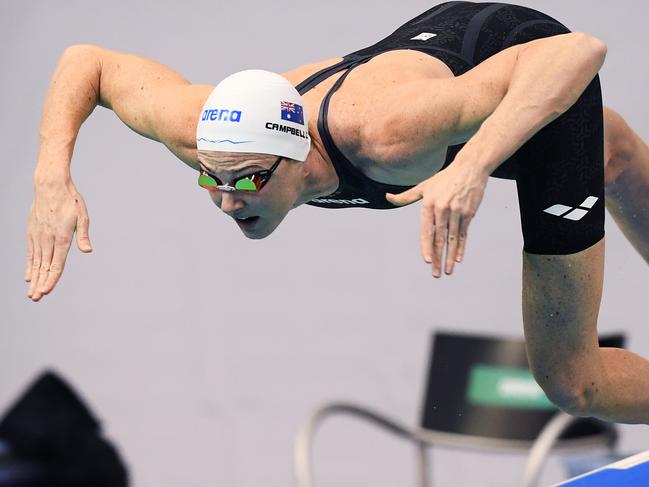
258,233
260,229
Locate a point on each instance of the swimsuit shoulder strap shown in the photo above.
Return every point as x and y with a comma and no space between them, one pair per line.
349,175
318,77
340,161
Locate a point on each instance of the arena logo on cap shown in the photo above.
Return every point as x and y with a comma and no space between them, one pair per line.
216,114
292,112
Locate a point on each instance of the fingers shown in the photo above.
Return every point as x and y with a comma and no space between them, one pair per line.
442,228
47,264
464,229
452,242
30,258
405,198
35,268
47,251
439,240
427,233
61,248
83,225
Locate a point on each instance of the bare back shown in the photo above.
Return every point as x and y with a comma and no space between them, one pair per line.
363,105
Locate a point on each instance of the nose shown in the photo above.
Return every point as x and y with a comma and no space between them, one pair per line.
231,203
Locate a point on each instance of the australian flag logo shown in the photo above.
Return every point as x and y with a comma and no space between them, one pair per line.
292,112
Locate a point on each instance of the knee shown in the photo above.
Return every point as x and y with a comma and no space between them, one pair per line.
567,390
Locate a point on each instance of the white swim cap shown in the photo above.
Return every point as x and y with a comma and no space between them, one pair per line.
255,111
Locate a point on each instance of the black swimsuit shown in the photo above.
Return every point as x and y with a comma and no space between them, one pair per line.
559,172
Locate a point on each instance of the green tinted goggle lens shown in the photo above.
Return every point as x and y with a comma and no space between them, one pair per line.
252,182
206,181
244,184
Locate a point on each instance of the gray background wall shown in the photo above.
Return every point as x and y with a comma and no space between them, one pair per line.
204,351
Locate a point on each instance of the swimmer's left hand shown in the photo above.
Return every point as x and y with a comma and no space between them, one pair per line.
450,200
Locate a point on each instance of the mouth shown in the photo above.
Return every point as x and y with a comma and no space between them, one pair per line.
248,223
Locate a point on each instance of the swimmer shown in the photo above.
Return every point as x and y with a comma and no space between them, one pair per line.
463,92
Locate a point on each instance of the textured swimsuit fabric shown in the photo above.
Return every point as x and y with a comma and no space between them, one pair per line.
563,164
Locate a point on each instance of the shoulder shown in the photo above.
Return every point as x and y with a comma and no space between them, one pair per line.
394,117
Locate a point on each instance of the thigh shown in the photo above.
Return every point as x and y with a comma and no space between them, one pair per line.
561,299
560,180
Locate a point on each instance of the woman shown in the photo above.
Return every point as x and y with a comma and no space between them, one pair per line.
474,89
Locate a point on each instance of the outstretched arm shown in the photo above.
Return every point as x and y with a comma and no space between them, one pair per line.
150,98
504,101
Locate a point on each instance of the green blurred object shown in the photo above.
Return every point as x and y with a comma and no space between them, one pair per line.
506,387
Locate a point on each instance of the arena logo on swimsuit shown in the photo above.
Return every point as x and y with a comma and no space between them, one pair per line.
355,201
221,115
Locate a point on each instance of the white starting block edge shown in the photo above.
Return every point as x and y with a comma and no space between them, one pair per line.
625,464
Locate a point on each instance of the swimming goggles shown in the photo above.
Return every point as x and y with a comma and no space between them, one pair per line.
250,182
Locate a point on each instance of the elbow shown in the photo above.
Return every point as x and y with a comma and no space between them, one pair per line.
593,48
82,55
86,60
76,51
587,54
599,49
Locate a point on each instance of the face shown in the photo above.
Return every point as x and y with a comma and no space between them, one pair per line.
257,213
